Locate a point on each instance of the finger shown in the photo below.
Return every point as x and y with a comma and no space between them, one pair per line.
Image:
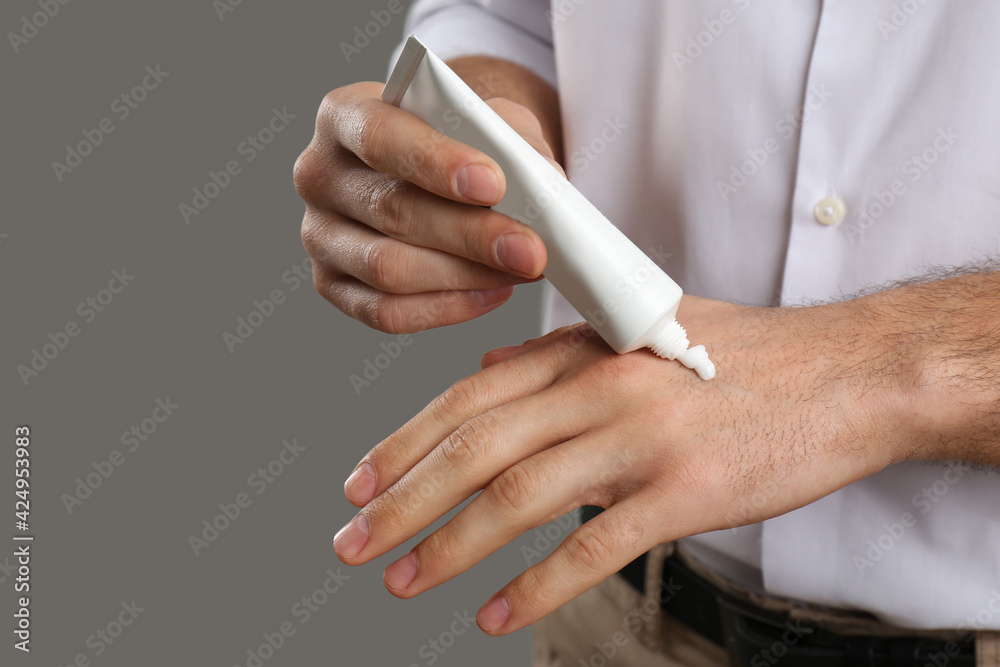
462,464
406,313
388,461
526,124
394,266
405,211
396,142
499,354
590,554
530,493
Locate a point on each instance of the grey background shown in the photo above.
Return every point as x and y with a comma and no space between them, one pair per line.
162,337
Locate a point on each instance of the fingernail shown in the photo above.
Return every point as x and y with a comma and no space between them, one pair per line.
516,252
360,486
494,614
351,539
401,574
488,297
479,183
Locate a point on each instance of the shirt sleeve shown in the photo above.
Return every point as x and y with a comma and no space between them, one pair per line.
514,30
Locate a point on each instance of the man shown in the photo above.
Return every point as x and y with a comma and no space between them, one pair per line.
800,506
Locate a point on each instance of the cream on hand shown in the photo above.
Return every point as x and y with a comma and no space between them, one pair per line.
627,298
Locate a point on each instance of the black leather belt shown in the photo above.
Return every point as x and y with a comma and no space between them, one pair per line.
757,637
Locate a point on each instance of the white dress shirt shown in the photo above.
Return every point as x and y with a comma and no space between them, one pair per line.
774,152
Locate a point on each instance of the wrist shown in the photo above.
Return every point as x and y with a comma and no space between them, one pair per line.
925,374
872,374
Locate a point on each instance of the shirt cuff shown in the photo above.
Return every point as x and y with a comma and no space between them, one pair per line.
466,30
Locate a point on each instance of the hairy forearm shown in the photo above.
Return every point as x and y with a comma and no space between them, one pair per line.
493,77
935,346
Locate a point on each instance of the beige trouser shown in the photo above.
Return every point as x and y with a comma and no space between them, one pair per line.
614,625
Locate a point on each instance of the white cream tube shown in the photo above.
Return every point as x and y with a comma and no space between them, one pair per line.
627,298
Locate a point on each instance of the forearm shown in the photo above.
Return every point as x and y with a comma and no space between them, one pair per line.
935,347
494,77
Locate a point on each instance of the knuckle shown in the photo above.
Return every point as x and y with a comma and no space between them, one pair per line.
342,293
474,238
323,286
531,591
383,312
391,205
382,263
465,448
332,101
460,398
598,493
388,508
311,235
369,132
443,549
309,174
336,290
514,488
588,549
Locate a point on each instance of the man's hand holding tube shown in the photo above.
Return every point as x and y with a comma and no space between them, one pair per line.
397,220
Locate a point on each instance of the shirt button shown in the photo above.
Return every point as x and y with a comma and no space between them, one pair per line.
829,211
